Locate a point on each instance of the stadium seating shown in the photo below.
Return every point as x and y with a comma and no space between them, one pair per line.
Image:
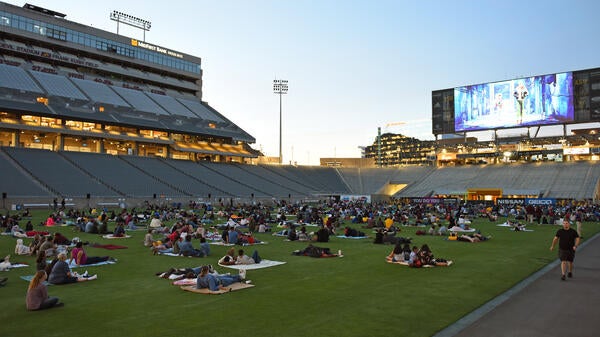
17,182
121,175
74,174
57,173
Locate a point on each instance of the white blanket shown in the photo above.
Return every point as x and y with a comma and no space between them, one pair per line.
458,229
262,264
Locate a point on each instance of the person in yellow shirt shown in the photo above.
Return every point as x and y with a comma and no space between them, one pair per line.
388,223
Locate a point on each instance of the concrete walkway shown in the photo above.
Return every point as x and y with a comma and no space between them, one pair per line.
543,305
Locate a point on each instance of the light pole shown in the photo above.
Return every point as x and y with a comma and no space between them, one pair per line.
280,87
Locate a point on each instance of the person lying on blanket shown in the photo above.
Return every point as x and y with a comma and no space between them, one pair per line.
472,237
181,273
229,258
80,257
314,251
217,282
162,247
247,239
351,232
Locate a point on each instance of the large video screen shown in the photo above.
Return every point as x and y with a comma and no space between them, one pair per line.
537,100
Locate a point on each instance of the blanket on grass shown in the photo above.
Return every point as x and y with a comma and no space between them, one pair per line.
108,246
185,282
263,264
234,287
351,237
74,265
28,278
402,263
173,254
460,230
221,243
111,236
6,266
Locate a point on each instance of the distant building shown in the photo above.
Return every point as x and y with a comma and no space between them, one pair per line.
397,150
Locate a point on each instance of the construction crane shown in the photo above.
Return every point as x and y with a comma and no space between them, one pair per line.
394,124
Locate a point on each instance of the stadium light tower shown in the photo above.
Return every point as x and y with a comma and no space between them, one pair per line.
131,21
280,87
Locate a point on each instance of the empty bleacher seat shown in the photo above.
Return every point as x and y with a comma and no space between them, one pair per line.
17,78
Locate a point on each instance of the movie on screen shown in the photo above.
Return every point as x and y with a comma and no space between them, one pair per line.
537,100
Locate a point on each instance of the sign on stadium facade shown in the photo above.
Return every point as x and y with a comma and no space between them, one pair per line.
510,201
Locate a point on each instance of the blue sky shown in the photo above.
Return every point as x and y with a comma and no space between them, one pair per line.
352,66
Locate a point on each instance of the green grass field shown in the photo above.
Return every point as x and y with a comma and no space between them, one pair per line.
357,295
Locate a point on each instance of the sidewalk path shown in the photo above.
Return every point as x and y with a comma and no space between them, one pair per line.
543,305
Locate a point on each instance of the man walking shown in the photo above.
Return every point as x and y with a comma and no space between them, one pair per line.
568,241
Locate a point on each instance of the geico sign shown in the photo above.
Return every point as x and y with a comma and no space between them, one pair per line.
540,202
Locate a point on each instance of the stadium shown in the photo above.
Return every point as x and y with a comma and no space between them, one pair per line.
95,120
125,120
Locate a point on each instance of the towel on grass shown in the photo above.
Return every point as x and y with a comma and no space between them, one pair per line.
351,237
111,236
234,287
263,264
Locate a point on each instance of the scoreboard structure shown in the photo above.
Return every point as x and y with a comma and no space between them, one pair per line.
551,99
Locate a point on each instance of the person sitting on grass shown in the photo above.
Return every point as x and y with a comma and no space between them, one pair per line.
426,256
49,247
186,248
119,231
21,249
414,260
303,236
148,239
80,257
322,235
40,261
204,246
35,244
396,255
37,294
218,282
61,273
291,234
245,259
